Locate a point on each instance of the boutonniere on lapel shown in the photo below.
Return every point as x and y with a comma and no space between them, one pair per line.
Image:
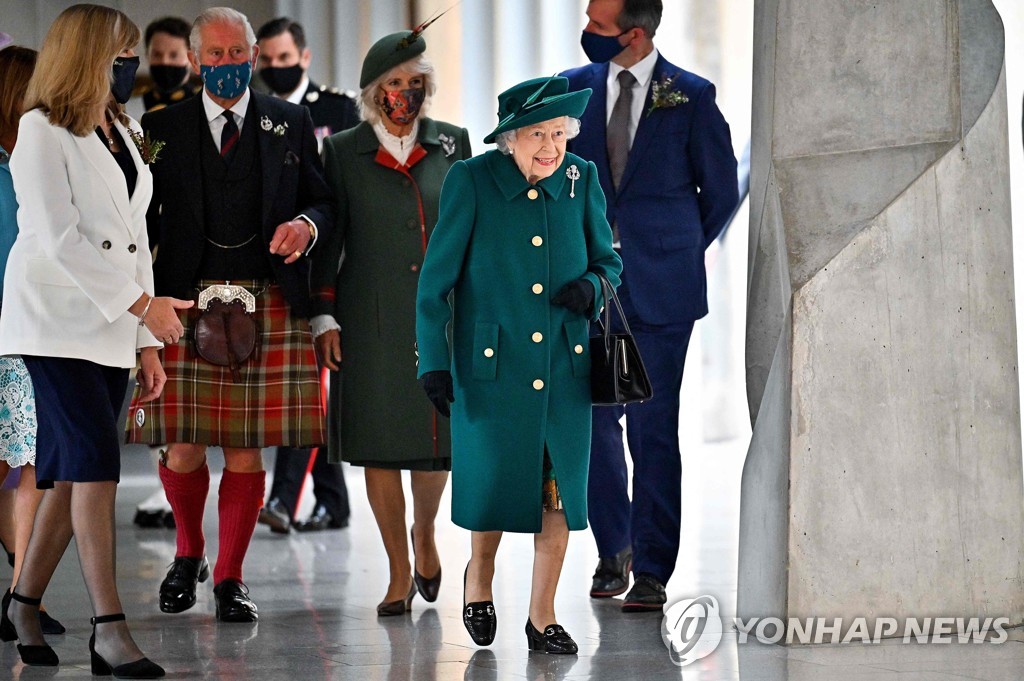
664,97
573,173
268,125
447,144
149,148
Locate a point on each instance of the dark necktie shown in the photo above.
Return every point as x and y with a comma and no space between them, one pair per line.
229,135
619,140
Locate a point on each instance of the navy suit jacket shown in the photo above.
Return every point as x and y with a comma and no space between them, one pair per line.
676,195
293,184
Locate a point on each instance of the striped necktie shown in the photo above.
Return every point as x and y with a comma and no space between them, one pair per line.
229,135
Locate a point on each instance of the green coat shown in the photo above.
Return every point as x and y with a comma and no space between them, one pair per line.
378,412
521,366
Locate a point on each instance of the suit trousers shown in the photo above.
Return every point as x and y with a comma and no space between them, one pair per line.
651,522
328,481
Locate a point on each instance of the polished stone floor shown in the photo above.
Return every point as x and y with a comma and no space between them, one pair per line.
317,595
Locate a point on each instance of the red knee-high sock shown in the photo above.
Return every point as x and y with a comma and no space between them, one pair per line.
186,492
241,496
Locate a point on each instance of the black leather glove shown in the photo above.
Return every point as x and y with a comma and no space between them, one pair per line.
576,296
438,386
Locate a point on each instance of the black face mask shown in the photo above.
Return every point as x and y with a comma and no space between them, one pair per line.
124,78
282,79
167,77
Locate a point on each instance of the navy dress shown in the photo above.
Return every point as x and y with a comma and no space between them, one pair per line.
78,401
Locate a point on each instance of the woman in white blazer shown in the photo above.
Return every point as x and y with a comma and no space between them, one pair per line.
77,305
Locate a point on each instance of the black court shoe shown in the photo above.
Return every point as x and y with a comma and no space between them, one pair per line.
480,618
139,669
554,640
428,588
34,656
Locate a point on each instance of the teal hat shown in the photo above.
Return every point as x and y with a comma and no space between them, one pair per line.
389,52
537,100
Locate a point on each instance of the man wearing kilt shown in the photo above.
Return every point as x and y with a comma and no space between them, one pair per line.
238,203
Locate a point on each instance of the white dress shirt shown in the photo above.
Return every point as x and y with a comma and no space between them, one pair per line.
216,120
298,93
643,71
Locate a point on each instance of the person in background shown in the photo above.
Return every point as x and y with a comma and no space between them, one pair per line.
238,204
78,306
17,403
510,280
665,159
167,54
283,65
386,175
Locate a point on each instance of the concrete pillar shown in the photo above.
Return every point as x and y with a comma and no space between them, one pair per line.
884,472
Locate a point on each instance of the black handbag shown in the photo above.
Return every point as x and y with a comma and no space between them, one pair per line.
617,374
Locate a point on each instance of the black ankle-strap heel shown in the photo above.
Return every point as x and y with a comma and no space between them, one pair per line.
139,669
34,656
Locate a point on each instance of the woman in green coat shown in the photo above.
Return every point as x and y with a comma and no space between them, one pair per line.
386,174
512,271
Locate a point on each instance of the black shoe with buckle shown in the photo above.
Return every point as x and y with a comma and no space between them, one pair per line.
647,595
554,640
178,590
611,577
275,516
233,602
479,617
321,519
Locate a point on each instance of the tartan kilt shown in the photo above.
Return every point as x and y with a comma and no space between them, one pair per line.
277,402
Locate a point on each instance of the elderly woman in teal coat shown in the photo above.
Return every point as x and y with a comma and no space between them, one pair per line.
508,287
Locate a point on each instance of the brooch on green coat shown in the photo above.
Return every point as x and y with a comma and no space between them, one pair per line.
573,173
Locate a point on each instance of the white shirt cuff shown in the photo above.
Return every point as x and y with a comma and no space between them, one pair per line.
316,233
322,323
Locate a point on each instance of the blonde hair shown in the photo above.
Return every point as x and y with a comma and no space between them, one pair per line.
72,80
369,109
16,64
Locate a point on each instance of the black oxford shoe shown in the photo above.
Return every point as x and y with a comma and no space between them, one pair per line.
647,595
233,602
275,516
611,577
178,590
554,640
320,520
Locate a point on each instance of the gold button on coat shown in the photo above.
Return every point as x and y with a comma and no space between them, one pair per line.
538,384
538,289
578,349
533,193
488,352
537,336
537,241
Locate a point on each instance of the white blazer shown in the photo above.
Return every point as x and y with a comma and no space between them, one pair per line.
82,255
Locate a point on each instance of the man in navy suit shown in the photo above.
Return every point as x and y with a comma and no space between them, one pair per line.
666,164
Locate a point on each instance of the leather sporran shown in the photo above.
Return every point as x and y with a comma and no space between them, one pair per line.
617,373
226,335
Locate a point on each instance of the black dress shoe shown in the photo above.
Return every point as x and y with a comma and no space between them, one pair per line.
149,519
142,668
276,517
233,602
611,577
479,617
647,595
321,519
554,639
428,588
399,607
34,656
178,590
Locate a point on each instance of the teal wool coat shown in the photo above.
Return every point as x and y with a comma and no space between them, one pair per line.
378,415
521,366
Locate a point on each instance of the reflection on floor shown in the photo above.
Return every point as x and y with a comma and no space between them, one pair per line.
317,595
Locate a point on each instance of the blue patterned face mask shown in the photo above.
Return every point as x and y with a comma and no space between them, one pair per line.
226,81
